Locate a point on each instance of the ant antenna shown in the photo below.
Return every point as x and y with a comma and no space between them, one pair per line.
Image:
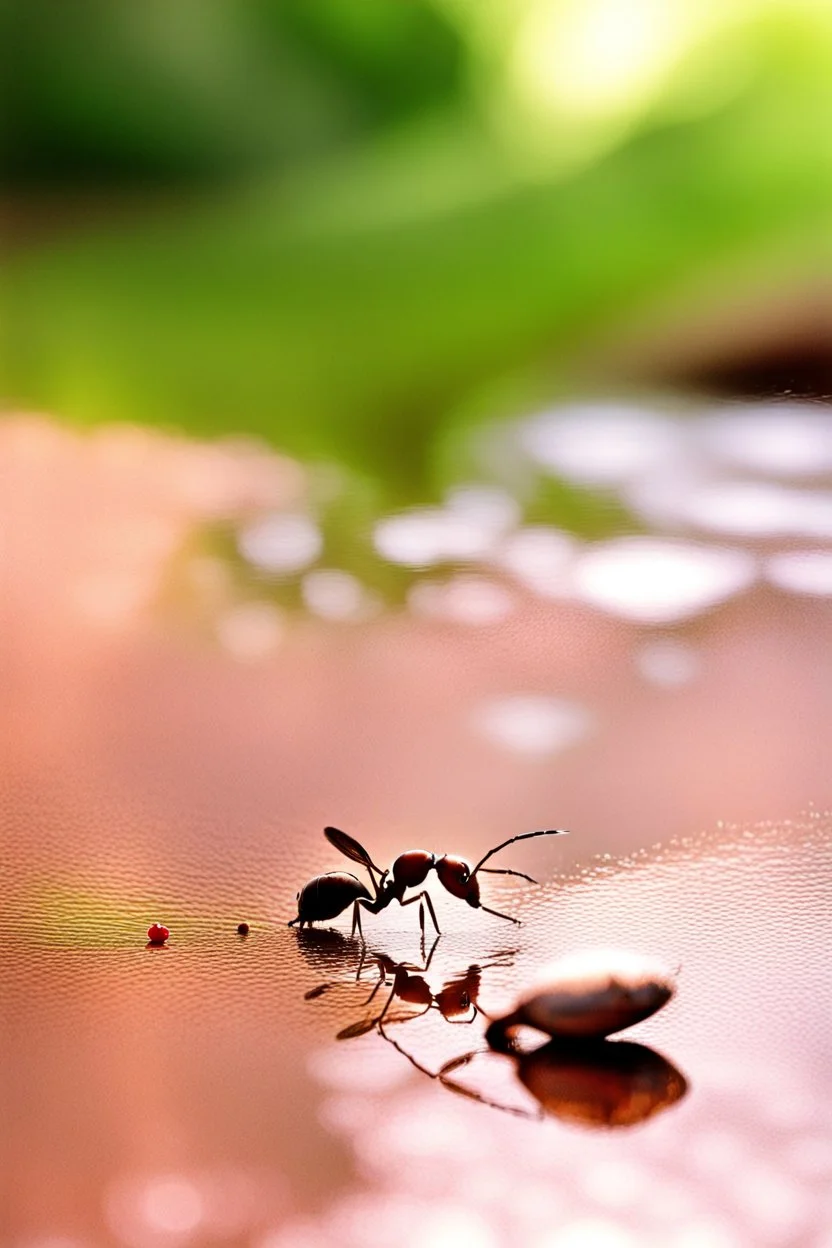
499,915
523,836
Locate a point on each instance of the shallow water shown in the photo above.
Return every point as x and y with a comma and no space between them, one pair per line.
173,754
197,1091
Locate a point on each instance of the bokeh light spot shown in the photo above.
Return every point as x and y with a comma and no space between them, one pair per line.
281,543
601,444
801,572
533,724
667,663
335,595
462,600
655,581
251,631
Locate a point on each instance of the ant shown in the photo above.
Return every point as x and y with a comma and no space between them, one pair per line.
326,896
457,1000
590,1082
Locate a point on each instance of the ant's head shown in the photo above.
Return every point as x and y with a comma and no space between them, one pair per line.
454,1003
455,875
458,995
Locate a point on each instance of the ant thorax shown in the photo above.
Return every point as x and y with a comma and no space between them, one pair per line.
412,868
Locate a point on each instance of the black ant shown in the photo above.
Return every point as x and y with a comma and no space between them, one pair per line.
327,896
457,1000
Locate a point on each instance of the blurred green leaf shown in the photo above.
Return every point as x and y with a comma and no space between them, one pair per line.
354,334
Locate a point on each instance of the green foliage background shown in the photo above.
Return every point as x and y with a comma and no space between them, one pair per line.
334,225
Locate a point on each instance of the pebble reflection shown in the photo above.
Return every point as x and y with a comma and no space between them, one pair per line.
590,1082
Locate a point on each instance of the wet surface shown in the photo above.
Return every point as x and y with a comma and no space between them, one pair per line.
155,770
215,1060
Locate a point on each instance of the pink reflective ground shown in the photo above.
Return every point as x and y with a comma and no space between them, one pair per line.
190,1095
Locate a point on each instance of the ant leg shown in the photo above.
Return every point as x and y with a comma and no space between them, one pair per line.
413,1062
356,922
507,871
455,1063
292,922
387,1004
411,901
429,904
382,975
426,895
361,963
432,951
375,990
500,916
463,1022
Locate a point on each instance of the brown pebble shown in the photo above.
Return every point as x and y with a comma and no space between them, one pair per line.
590,995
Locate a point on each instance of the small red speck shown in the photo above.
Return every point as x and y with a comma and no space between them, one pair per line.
157,934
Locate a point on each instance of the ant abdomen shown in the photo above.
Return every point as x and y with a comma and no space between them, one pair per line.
412,868
328,895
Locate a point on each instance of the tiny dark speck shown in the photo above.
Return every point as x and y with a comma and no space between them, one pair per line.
242,929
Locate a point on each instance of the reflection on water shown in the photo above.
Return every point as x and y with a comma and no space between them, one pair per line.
588,1083
608,1083
207,1100
456,999
744,1159
593,1083
195,1097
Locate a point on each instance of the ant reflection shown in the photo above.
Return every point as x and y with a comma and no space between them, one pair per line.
457,1001
596,1083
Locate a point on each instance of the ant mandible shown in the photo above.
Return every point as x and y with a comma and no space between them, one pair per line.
327,896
